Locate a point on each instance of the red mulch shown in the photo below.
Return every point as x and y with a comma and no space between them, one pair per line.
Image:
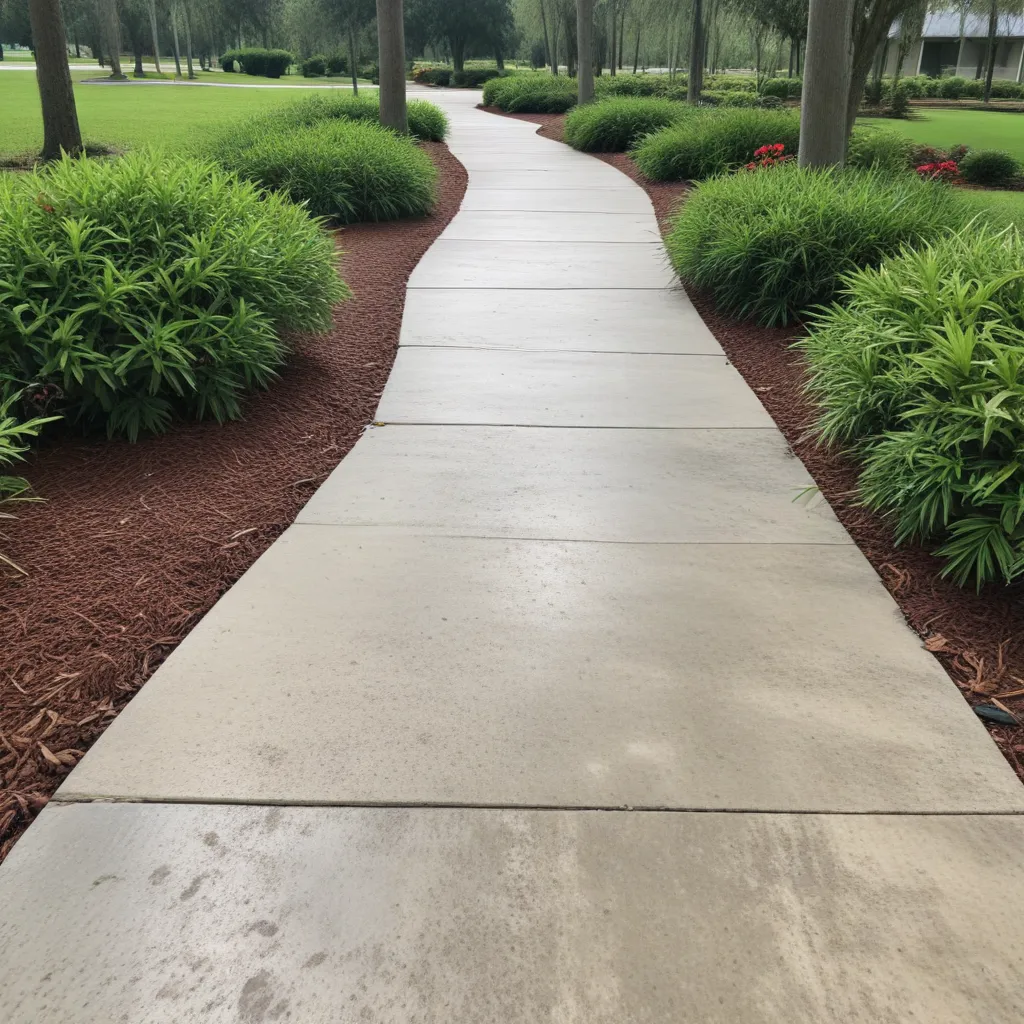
135,542
979,639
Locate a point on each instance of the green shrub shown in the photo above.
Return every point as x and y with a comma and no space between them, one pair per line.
783,88
617,124
474,78
634,85
433,76
923,371
879,148
989,167
143,288
715,141
770,244
427,122
314,67
745,83
337,64
345,170
1004,89
14,437
951,88
257,61
974,89
531,94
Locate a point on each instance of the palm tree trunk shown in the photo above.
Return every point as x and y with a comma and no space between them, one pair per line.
585,49
188,42
391,61
60,117
636,54
990,59
353,63
174,40
547,40
156,40
695,82
826,92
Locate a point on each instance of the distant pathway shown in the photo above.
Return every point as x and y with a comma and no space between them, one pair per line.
553,706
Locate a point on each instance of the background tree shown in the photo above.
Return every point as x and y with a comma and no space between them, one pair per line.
463,24
15,26
60,116
585,37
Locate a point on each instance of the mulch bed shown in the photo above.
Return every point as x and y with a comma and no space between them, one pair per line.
135,542
978,638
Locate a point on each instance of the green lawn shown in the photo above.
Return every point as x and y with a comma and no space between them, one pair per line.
1002,207
979,129
133,115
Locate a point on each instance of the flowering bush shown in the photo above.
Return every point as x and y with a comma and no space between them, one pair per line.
769,156
944,170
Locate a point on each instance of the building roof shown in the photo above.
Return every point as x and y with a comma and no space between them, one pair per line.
946,25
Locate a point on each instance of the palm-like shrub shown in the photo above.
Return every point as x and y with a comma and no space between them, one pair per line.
922,369
531,94
989,167
615,125
345,170
770,244
142,288
715,141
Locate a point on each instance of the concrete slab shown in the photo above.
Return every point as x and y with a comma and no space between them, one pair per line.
504,226
180,915
450,263
550,157
566,389
544,200
598,175
574,319
356,666
652,486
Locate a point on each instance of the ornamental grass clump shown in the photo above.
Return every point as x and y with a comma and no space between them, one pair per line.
771,244
347,171
137,290
427,122
617,124
714,141
921,370
531,94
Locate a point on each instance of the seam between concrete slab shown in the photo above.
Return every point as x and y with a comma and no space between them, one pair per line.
421,531
564,808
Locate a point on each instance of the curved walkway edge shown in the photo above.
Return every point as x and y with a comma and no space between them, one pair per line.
553,705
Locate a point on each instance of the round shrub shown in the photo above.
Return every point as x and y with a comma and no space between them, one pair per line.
617,124
314,67
531,94
922,369
783,88
634,85
951,88
427,122
143,288
879,148
337,64
345,170
713,142
770,244
989,167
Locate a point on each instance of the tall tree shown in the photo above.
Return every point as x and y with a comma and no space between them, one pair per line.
695,81
826,87
463,24
990,51
111,22
60,116
585,44
156,37
391,62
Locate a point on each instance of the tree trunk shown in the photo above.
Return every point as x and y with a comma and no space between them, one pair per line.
993,27
174,40
554,46
188,42
137,71
826,91
622,34
547,40
60,117
458,54
798,71
636,54
790,75
391,61
353,64
585,49
614,40
112,31
156,40
695,82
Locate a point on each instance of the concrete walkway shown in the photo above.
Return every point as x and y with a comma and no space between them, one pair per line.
552,707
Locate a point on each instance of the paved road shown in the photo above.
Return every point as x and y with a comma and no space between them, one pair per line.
552,706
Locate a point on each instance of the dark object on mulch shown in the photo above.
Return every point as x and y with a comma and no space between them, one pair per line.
987,713
134,543
978,638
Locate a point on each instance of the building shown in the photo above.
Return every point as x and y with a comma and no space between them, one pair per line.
942,51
